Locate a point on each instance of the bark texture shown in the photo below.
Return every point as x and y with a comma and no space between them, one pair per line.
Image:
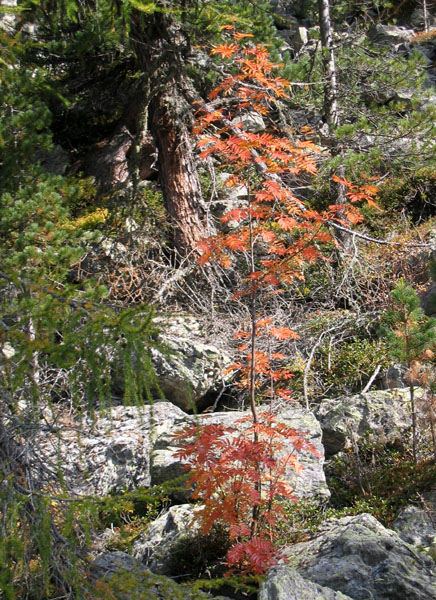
162,48
177,170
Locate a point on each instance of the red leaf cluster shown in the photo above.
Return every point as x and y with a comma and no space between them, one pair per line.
232,470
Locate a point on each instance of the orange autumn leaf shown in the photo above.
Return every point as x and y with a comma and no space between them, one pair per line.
268,235
225,50
236,214
343,181
241,334
286,223
283,333
372,204
240,36
225,262
263,322
284,393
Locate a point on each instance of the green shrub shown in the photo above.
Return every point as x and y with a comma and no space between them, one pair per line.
379,480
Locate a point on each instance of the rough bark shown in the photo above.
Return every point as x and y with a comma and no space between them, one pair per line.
162,48
177,171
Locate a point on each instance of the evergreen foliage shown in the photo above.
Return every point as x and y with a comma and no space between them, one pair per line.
385,119
408,334
407,331
59,340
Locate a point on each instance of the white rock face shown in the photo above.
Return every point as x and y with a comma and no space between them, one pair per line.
111,453
130,447
251,121
390,34
310,484
152,548
8,20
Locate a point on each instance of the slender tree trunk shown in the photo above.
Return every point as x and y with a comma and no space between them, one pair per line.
413,410
330,86
331,103
253,338
426,19
433,434
161,48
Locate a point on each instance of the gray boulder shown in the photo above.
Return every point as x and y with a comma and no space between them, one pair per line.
153,547
362,559
251,121
309,484
228,198
428,299
56,160
393,377
129,447
417,20
110,563
110,453
390,34
192,368
8,20
416,524
285,583
383,416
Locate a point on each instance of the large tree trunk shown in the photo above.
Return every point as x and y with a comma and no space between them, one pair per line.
177,170
162,47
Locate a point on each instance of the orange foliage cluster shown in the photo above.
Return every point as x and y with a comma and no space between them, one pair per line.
265,365
272,214
423,36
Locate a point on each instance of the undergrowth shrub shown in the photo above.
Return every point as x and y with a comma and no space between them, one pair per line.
379,480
